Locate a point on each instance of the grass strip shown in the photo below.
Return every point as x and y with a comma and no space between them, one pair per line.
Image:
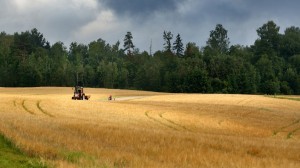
286,98
12,157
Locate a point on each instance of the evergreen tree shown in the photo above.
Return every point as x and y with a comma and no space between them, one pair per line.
128,44
178,46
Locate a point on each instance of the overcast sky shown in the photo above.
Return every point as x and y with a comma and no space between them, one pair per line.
84,21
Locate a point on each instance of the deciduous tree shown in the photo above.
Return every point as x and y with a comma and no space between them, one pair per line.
168,36
218,40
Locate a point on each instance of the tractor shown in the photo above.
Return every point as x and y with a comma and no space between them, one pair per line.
79,94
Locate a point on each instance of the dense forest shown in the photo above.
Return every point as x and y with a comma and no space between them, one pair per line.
270,66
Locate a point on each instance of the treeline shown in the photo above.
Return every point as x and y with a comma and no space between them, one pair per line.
270,66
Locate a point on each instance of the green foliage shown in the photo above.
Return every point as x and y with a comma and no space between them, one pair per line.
128,44
108,74
269,40
168,36
290,42
178,46
295,62
218,40
80,159
192,50
270,66
269,35
148,77
74,157
11,157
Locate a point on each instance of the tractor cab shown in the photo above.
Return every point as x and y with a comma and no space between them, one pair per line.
79,94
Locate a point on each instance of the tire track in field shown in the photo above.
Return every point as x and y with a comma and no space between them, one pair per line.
158,121
31,111
290,134
245,101
26,109
172,122
166,122
38,105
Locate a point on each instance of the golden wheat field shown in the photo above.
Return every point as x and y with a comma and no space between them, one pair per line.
148,129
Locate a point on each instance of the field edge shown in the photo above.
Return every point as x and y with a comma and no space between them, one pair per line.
11,156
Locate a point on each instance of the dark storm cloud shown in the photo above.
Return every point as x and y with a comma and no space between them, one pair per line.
214,12
140,8
225,11
64,22
194,19
87,20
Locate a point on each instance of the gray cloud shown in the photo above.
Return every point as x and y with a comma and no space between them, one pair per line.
139,8
88,20
57,20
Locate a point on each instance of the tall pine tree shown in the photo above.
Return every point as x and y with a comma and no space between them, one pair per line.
178,46
128,44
